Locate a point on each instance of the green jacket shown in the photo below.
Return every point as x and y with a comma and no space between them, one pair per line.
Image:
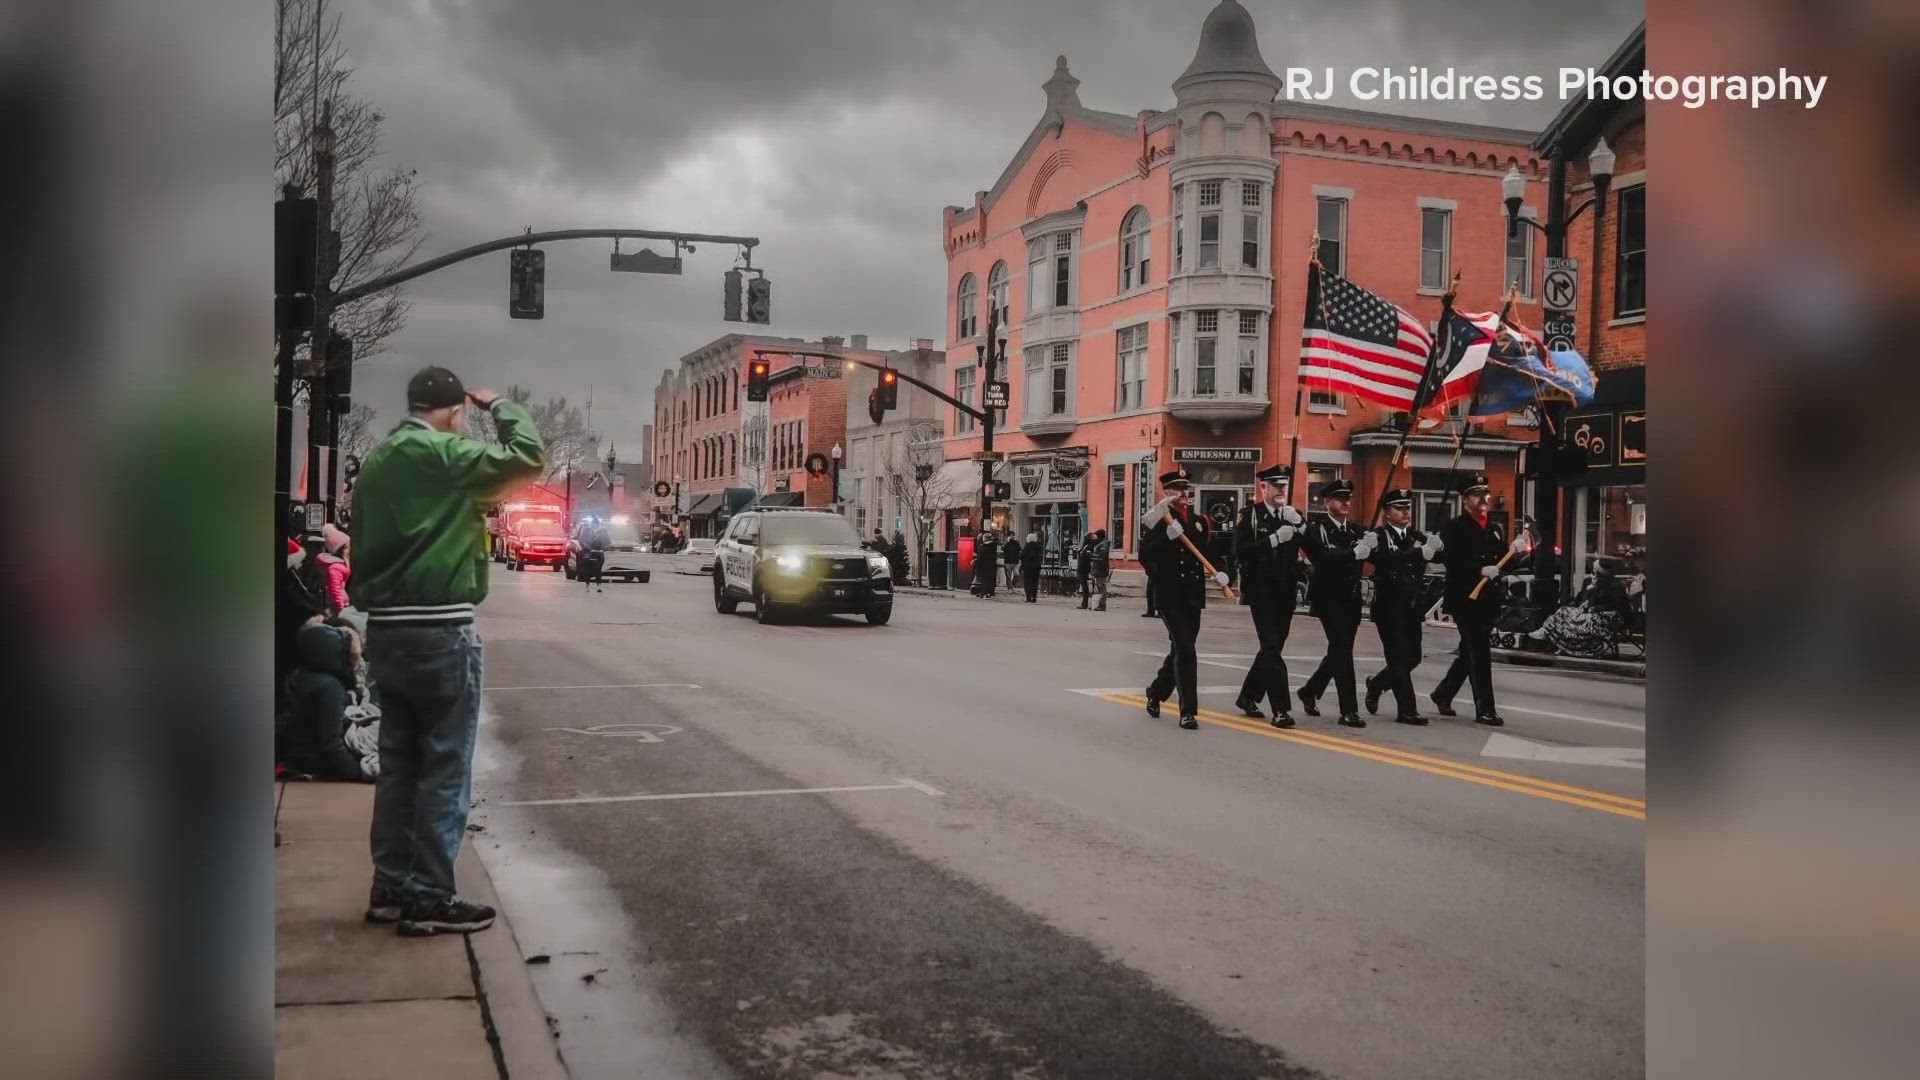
419,516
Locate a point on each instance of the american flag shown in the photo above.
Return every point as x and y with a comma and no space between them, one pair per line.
1357,343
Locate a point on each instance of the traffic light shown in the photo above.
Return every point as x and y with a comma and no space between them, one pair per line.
527,294
295,248
340,372
889,390
760,301
757,371
1002,490
730,297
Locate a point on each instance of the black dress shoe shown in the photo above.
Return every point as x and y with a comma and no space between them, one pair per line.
1281,719
1413,718
1189,722
1307,704
1153,706
1249,709
1373,698
1351,720
1445,708
1491,719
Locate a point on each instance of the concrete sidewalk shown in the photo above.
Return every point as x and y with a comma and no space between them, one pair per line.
354,1000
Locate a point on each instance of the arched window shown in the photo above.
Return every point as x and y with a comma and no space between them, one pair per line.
969,323
736,390
733,455
1136,237
997,291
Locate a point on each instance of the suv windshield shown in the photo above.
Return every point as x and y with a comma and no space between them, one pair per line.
818,529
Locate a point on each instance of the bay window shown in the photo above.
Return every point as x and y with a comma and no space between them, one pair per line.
1249,350
1206,340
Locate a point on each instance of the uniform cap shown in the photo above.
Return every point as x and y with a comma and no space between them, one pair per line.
1175,479
1397,497
1477,483
1274,474
1337,489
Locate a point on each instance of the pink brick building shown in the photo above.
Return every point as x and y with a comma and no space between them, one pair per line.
1153,268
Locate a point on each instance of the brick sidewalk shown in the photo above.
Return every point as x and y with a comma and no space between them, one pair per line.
359,1001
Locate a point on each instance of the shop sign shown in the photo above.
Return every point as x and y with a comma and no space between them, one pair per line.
1234,455
1594,434
1039,481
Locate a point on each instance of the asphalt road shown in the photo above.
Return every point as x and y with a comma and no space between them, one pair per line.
1019,873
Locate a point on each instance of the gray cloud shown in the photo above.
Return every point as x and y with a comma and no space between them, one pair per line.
834,130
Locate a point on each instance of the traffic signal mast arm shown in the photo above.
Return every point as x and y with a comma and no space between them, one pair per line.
408,273
897,373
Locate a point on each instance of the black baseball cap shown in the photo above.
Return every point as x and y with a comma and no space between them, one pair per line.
435,388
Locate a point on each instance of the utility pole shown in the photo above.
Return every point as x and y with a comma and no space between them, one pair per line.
319,342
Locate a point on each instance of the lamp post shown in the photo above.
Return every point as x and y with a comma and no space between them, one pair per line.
992,358
1547,449
836,453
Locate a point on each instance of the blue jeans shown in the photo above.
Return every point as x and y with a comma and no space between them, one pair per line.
429,679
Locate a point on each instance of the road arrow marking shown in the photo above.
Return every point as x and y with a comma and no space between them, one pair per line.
1623,757
647,733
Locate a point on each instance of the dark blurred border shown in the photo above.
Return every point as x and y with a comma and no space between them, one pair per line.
135,784
1784,843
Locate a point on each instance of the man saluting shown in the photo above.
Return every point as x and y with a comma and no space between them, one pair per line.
1266,542
1179,584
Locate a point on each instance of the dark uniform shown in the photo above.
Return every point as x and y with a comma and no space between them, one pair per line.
1335,596
1179,586
986,565
1399,562
1269,574
1469,544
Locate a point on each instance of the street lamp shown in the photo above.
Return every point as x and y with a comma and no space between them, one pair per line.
1513,189
836,453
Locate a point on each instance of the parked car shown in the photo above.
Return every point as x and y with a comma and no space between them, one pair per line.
623,554
701,551
534,542
784,560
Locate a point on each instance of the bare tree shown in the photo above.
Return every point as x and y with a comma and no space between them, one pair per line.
375,206
357,434
915,482
570,445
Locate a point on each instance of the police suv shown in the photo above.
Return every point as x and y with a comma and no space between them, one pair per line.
790,560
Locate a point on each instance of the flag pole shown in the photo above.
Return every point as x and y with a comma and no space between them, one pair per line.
1299,387
1420,395
1466,422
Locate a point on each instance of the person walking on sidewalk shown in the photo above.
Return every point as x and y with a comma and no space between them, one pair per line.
1399,559
986,565
1333,545
1010,560
1031,553
1266,541
419,509
1094,555
1181,581
1471,546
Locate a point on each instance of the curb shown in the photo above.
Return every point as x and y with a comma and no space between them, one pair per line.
516,1021
1624,669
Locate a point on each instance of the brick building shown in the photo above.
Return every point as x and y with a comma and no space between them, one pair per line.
709,440
878,478
1604,511
1154,271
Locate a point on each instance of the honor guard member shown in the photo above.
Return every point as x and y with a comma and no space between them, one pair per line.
1399,556
1335,596
1266,542
1179,591
1471,547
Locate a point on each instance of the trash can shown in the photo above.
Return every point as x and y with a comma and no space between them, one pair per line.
937,569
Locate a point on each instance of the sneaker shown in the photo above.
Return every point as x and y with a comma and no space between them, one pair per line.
444,915
383,905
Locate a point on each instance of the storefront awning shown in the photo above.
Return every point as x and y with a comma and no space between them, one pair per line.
706,505
782,498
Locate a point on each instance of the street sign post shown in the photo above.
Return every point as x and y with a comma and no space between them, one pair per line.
645,262
997,396
1559,331
1560,284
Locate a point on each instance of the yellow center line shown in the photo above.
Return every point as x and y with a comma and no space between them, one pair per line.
1515,782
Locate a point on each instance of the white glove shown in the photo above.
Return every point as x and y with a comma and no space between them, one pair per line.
1174,531
1157,511
1366,545
1519,545
1431,548
1282,535
1289,515
1220,578
1489,571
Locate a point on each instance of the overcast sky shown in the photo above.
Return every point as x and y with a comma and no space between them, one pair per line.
833,130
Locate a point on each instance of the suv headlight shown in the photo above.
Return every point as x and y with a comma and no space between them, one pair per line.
789,562
877,564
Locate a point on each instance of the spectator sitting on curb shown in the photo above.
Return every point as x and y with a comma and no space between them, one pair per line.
419,508
311,740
